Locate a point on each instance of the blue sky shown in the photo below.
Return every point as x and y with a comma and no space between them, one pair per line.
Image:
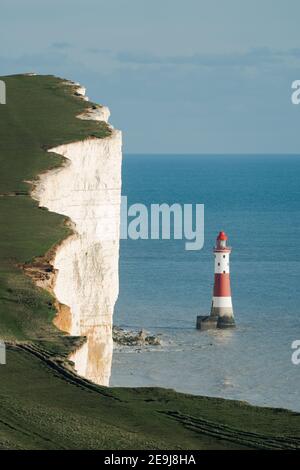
187,77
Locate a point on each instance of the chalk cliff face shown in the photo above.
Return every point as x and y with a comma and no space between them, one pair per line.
87,189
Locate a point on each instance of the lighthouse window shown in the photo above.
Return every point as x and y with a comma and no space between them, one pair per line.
224,272
218,264
224,256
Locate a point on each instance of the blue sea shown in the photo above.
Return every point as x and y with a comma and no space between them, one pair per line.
163,287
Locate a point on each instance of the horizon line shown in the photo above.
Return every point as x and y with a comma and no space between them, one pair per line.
236,154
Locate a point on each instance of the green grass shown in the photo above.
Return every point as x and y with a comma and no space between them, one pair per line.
40,408
40,113
43,405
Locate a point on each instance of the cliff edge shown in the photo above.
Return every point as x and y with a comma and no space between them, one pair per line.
87,189
60,186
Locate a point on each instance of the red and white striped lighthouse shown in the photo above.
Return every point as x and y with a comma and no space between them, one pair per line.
221,308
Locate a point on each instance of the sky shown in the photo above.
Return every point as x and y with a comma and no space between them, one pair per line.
187,76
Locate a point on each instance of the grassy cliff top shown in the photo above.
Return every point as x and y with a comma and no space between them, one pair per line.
40,113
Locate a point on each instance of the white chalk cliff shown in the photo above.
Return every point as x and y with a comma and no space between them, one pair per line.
87,189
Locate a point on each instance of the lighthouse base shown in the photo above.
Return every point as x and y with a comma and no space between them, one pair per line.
226,322
206,322
212,322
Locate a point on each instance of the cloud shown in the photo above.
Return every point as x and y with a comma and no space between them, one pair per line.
98,50
251,58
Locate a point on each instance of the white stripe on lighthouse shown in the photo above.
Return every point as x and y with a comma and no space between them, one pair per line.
225,302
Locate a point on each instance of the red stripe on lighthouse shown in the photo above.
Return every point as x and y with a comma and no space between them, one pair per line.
222,285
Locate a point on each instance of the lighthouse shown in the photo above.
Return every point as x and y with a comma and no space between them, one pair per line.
221,314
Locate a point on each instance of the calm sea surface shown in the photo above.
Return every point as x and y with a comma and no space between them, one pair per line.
256,200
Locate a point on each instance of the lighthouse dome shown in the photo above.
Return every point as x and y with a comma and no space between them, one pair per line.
222,236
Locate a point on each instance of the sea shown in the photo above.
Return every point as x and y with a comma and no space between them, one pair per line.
163,287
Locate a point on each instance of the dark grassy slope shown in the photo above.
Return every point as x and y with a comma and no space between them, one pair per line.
42,404
44,408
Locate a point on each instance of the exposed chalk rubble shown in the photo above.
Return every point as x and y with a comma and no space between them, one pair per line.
130,338
97,113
